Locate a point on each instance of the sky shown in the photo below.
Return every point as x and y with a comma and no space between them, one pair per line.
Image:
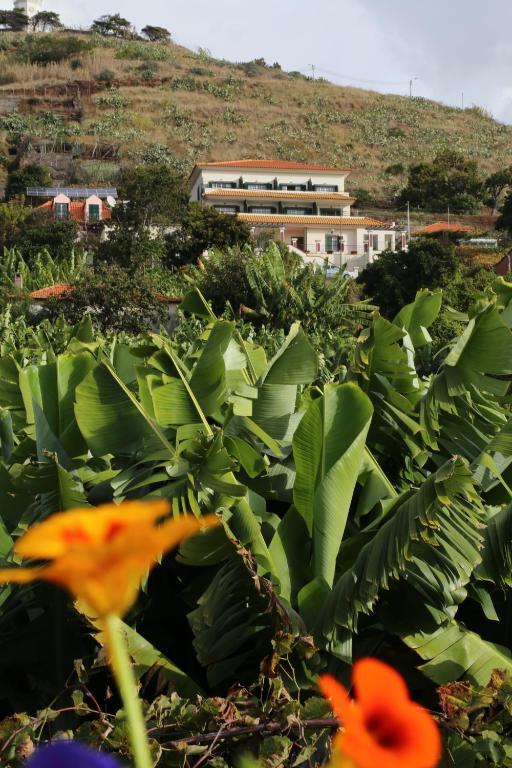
460,51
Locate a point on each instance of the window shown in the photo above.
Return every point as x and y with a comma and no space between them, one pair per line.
388,242
375,242
330,212
94,212
332,243
293,187
325,187
222,184
61,211
227,208
261,209
258,185
298,211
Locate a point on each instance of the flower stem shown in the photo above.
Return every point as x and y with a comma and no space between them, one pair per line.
123,672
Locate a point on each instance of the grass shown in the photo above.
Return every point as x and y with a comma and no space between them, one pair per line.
201,108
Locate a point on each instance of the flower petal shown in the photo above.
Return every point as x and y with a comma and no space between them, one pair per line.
20,575
86,526
337,695
374,682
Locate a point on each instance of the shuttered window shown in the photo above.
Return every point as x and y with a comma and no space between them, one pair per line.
332,243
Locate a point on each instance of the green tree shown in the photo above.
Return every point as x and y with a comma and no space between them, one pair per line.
154,195
396,276
448,181
112,25
30,175
505,219
156,34
116,300
13,216
203,228
495,184
132,246
40,232
15,20
45,20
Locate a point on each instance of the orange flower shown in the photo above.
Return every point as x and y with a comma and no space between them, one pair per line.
383,727
101,554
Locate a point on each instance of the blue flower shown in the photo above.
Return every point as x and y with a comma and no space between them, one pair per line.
70,754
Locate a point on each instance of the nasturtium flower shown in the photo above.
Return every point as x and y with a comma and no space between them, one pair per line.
382,726
70,754
100,554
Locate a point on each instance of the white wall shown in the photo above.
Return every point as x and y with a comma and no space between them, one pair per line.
266,176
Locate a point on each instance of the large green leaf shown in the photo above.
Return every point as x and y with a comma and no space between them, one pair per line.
111,419
146,657
453,652
49,393
329,448
295,362
431,538
232,625
417,317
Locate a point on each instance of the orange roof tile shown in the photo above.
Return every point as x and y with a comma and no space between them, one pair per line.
77,211
58,291
279,194
281,165
443,226
64,291
333,221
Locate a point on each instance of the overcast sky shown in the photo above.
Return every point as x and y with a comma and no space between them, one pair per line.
452,46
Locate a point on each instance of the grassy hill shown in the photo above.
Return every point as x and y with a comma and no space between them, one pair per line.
150,100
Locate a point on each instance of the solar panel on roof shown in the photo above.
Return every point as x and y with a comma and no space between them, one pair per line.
71,192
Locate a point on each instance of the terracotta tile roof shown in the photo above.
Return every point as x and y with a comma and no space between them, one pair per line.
64,290
333,221
77,211
443,226
58,291
168,299
278,165
282,194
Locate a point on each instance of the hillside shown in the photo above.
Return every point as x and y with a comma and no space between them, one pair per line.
115,101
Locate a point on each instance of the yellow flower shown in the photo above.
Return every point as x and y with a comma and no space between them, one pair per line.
101,554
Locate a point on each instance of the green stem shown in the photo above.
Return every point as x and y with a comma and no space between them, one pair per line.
123,672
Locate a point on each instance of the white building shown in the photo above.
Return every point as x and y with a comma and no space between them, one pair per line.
306,204
30,7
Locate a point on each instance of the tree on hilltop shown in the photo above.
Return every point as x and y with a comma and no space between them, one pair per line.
16,20
45,21
449,180
112,25
156,34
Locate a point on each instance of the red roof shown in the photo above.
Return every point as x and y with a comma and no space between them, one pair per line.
77,211
282,165
60,290
64,290
443,226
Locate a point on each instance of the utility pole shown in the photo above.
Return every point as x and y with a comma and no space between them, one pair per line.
410,84
313,67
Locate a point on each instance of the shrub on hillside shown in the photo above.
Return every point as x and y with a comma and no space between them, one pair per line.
51,49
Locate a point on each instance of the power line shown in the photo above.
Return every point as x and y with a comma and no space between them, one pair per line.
360,79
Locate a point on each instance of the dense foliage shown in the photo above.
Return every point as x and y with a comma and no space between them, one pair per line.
369,514
448,181
395,277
